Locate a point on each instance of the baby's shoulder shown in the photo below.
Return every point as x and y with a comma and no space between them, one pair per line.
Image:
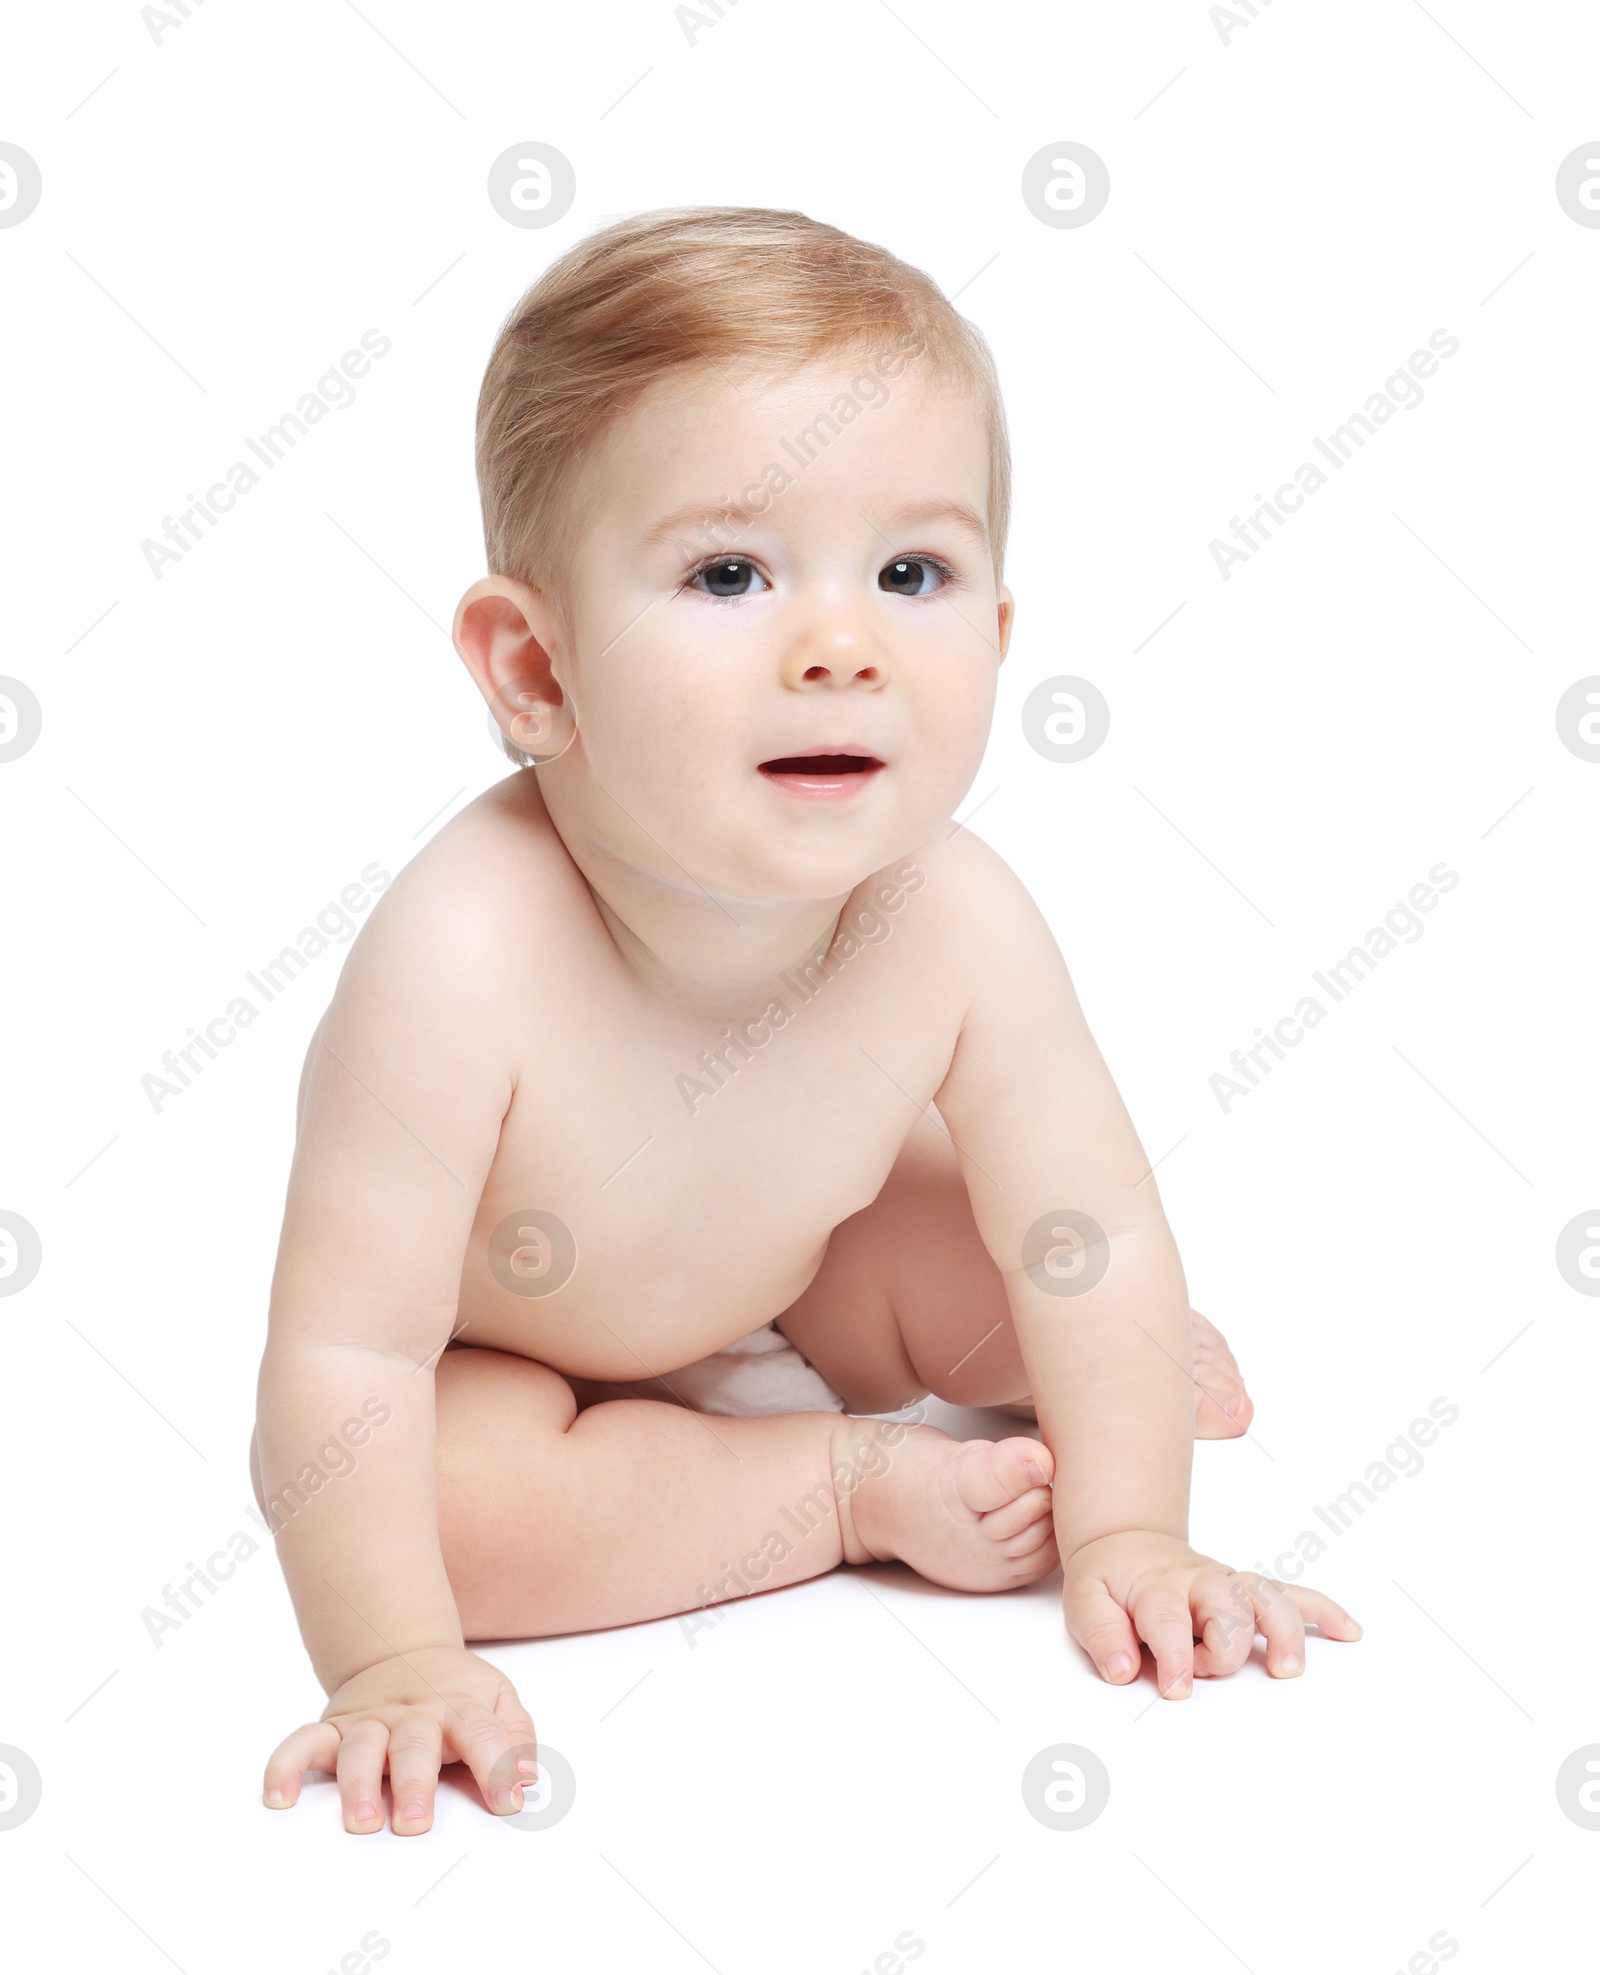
971,890
978,926
478,902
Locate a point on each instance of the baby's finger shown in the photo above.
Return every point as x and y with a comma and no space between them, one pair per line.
1103,1629
482,1743
316,1746
360,1772
1280,1621
519,1727
415,1745
1166,1625
1319,1610
1225,1622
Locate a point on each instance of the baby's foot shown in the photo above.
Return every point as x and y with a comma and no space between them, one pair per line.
972,1514
1222,1407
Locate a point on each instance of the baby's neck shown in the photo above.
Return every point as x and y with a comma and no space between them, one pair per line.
699,951
690,954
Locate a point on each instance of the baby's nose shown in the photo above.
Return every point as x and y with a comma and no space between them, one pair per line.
817,670
841,654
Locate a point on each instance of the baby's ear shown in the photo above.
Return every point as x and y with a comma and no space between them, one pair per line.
500,625
1008,612
503,630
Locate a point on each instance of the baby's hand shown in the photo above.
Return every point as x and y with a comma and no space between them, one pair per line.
436,1704
1197,1616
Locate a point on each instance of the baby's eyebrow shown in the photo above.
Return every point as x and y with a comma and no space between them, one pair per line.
963,516
695,515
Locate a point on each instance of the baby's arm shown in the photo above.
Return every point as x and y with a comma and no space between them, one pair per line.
401,1101
1046,1142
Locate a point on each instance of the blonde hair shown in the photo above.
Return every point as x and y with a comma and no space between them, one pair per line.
686,288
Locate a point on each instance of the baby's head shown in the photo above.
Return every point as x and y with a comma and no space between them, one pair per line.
745,488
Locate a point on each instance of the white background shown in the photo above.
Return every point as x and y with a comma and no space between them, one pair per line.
1374,1227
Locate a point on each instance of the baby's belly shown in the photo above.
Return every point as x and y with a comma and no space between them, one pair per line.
620,1324
710,1230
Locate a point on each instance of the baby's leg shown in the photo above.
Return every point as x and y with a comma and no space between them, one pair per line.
908,1301
556,1520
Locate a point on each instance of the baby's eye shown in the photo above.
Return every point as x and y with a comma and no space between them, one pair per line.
913,576
729,576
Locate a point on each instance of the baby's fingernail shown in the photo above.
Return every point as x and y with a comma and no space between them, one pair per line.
1034,1472
526,1766
1118,1665
1235,1406
1290,1663
507,1799
410,1813
364,1813
275,1799
1180,1688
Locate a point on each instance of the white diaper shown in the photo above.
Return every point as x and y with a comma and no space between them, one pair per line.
748,1379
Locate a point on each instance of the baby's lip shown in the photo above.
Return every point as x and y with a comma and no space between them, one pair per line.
830,776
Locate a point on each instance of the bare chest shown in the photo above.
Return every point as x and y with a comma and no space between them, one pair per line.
664,1185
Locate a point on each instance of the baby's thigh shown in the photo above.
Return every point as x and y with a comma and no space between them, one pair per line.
908,1300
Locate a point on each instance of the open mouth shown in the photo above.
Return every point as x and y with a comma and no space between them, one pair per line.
824,767
821,778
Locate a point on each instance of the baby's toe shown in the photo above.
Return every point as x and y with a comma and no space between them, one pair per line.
1222,1408
1037,1537
994,1474
975,1514
1033,1507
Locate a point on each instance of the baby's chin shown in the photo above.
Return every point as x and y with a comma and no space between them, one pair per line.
778,874
825,854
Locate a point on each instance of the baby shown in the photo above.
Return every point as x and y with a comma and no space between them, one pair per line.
703,1087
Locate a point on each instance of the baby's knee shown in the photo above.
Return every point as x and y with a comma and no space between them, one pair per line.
492,1409
500,1418
499,1394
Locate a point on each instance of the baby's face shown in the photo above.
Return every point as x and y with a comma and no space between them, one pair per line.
786,686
